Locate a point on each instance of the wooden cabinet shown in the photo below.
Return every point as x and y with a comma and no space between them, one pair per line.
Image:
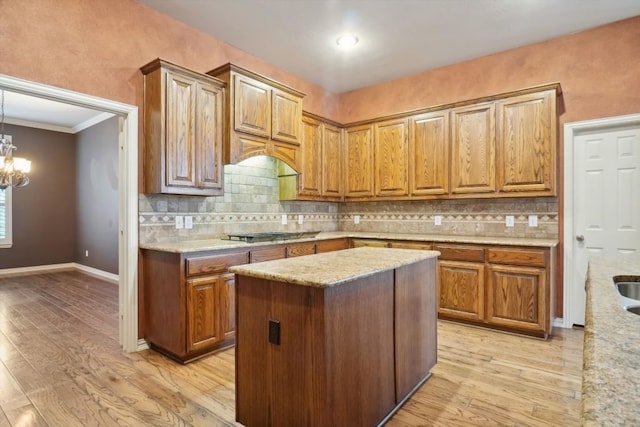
429,154
390,158
265,117
473,149
323,246
359,162
461,290
358,243
527,127
320,176
189,302
183,130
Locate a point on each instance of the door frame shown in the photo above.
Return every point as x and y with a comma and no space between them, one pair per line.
571,130
127,194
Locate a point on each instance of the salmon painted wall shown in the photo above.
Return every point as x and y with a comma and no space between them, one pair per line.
597,69
96,47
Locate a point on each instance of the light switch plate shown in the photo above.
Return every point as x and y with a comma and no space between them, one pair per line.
284,219
356,219
509,221
179,222
437,220
188,222
533,220
300,219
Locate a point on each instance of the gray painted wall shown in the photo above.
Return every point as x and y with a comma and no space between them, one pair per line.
97,196
44,212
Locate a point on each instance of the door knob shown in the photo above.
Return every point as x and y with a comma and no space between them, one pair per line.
580,238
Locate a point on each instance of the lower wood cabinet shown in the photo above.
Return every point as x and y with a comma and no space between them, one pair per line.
461,290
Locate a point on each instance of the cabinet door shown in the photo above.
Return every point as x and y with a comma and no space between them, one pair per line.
390,144
180,131
252,106
461,290
358,243
286,117
331,164
209,119
429,153
473,149
359,161
227,301
311,156
202,314
527,143
516,297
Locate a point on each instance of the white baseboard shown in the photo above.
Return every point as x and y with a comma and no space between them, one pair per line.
142,345
558,322
110,277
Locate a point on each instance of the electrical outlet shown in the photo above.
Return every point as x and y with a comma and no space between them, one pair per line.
509,221
188,222
356,219
300,219
284,219
437,220
179,222
533,220
86,253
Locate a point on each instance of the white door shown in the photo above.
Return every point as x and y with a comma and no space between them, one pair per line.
606,201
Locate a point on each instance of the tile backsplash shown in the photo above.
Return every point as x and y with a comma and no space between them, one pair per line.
251,204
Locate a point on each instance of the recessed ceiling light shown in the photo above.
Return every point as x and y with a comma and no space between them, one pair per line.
347,40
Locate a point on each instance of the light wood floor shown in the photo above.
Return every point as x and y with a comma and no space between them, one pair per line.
60,365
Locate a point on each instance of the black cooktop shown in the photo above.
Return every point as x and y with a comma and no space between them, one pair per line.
271,236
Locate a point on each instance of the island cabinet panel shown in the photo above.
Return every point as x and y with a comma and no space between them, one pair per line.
359,161
429,154
473,149
527,143
415,347
183,127
516,297
391,157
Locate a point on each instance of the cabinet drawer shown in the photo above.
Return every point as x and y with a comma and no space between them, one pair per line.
460,253
358,243
268,254
535,258
331,245
214,264
411,245
301,249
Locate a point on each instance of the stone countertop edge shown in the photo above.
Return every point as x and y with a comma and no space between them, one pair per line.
610,380
332,269
187,246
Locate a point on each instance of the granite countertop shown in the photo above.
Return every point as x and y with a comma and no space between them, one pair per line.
610,380
333,268
218,244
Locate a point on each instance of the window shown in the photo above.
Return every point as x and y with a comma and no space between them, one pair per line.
5,218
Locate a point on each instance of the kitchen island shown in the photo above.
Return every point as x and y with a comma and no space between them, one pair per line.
340,338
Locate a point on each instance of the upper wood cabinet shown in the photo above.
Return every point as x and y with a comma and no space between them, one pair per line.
310,180
358,164
527,143
429,153
265,117
332,177
390,158
183,131
473,149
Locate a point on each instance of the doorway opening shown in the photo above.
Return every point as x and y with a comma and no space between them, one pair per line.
127,194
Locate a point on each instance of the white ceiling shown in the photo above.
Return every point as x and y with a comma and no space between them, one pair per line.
397,37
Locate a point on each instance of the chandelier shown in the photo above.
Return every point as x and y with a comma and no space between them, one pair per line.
14,171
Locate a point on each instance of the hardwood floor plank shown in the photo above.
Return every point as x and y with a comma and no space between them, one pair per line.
61,365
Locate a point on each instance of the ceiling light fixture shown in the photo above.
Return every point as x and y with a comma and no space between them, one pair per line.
347,40
14,171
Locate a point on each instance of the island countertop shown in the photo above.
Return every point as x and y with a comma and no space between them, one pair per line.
610,382
333,268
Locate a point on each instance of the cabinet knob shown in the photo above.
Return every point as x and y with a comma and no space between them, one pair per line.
580,238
